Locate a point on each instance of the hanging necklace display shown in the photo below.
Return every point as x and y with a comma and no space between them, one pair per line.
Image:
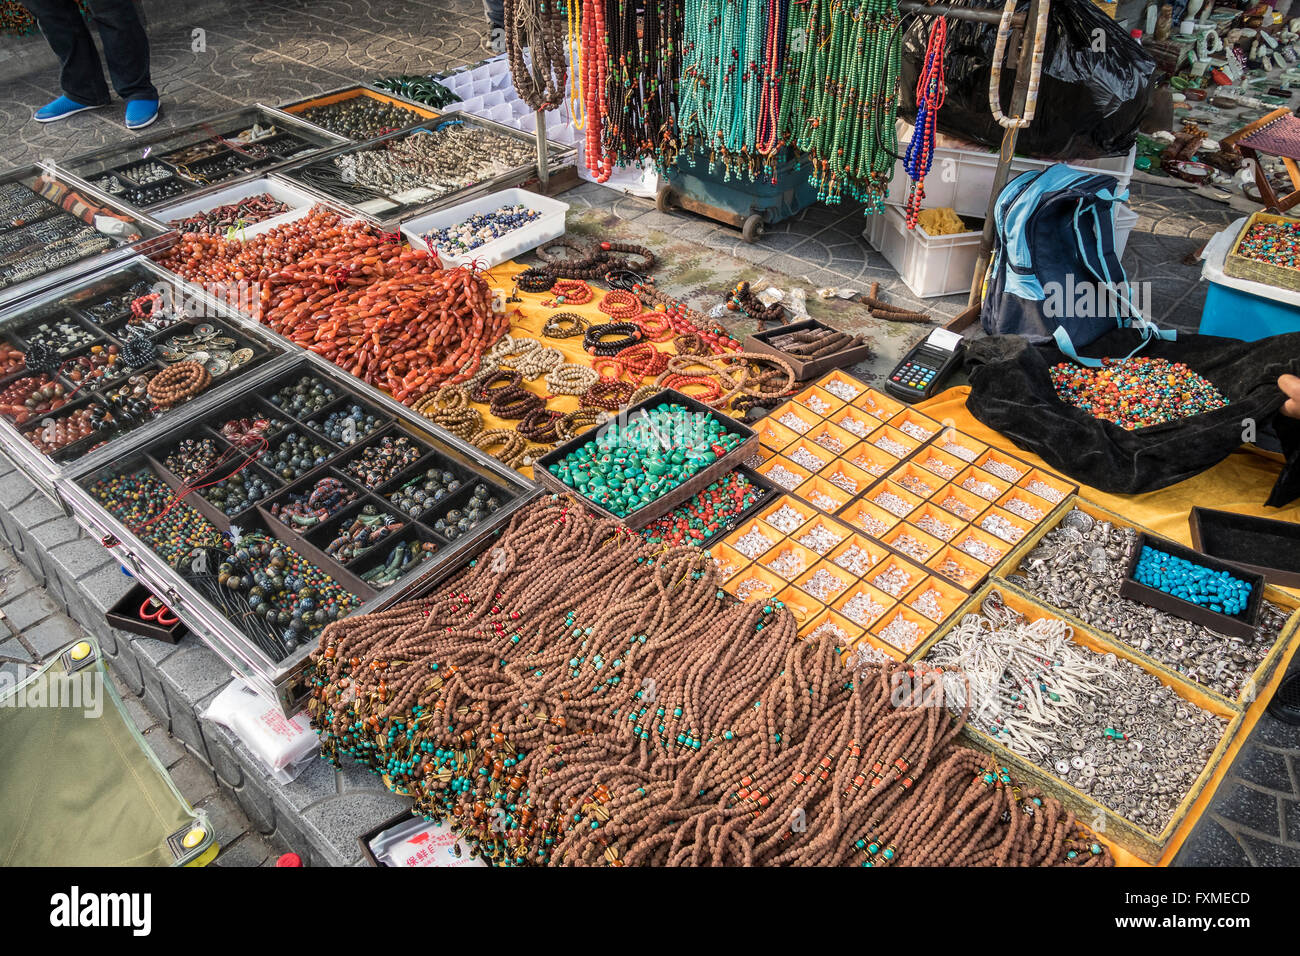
536,24
842,96
729,50
594,71
641,86
930,91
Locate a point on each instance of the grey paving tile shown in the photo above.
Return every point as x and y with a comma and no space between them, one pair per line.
167,748
29,607
192,779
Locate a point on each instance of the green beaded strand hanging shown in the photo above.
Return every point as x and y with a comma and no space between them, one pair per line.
841,96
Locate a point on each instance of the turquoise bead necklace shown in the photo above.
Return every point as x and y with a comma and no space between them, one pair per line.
841,96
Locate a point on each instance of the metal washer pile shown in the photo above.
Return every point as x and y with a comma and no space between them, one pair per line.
1078,566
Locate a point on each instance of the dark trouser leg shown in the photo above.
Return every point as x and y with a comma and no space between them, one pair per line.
82,78
494,11
126,47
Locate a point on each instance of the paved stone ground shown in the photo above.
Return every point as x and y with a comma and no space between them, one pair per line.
34,628
273,51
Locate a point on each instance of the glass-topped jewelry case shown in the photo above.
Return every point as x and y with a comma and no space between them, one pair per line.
303,498
170,164
410,172
53,228
78,364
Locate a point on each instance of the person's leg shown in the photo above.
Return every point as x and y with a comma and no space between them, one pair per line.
81,77
126,48
494,12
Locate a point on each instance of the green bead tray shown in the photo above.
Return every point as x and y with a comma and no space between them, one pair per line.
660,506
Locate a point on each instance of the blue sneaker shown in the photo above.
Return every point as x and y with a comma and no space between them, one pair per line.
140,113
59,109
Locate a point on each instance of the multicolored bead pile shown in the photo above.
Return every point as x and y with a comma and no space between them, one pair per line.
143,503
705,514
1274,242
480,229
1217,590
1136,392
626,467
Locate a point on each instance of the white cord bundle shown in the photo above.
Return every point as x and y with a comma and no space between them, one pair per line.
1026,679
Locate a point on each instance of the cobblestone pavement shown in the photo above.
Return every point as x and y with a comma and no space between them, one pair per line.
273,51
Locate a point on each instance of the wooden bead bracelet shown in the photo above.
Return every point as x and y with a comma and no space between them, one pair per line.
593,341
178,382
620,304
565,325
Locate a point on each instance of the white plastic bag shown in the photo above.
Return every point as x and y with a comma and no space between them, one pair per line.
284,744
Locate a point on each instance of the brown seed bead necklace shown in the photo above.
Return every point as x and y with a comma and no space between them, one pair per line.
649,719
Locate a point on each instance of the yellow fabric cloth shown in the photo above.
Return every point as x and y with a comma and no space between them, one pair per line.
1240,483
528,320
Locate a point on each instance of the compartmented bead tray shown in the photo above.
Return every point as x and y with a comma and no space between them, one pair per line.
824,571
931,494
160,167
723,505
103,362
366,506
361,521
656,455
91,398
276,596
1128,747
1077,563
53,228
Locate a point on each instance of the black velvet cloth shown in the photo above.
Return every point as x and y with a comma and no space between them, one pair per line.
1011,391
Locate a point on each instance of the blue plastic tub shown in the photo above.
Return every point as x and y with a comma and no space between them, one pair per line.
1239,308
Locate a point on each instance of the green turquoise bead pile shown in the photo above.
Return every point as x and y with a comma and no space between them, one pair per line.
629,465
1217,590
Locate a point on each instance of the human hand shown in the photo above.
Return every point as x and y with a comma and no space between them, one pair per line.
1290,384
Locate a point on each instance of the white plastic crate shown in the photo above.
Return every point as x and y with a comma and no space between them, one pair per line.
503,248
928,265
299,203
945,265
962,179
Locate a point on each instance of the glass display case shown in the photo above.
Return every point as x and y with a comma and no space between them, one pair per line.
174,163
53,228
410,172
304,498
95,348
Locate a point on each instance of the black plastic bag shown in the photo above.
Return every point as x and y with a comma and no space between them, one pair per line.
1011,391
1096,83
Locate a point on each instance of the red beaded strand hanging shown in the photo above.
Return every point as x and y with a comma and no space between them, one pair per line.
595,48
931,88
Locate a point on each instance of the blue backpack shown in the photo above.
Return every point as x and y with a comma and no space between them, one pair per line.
1054,273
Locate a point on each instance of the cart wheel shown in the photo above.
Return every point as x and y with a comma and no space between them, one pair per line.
664,197
752,229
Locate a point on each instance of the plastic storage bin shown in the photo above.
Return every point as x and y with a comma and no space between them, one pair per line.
299,203
963,178
1239,308
503,248
945,265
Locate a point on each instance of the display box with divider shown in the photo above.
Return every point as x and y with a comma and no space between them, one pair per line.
260,517
165,165
674,496
1148,841
92,397
55,228
388,180
1259,667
